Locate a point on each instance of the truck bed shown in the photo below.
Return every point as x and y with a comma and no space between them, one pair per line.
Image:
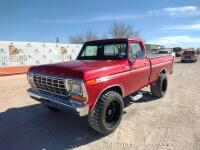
156,55
159,61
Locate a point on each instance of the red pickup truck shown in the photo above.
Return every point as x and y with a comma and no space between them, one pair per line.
95,83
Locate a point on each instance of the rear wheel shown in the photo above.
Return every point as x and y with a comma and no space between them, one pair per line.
195,60
159,88
107,113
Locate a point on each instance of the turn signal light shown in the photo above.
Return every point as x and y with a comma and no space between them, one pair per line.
91,81
78,98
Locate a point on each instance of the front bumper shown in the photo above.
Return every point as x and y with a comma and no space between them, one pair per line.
188,59
59,102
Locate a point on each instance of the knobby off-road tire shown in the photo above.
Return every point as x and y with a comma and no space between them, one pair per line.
107,113
159,88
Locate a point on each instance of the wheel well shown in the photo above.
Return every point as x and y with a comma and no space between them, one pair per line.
163,71
116,88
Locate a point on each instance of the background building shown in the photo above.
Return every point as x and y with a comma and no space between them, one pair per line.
153,48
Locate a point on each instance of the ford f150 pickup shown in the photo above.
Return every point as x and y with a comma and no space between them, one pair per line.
95,83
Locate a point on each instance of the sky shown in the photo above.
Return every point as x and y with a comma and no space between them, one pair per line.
167,22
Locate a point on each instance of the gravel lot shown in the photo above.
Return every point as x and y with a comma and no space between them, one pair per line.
170,123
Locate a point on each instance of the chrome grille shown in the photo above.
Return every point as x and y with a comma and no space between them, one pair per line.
50,84
187,57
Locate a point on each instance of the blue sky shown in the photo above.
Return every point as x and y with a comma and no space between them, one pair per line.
168,22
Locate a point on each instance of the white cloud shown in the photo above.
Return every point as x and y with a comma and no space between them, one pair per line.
177,11
92,19
173,41
194,26
181,10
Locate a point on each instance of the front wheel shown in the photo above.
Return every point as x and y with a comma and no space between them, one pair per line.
159,88
107,113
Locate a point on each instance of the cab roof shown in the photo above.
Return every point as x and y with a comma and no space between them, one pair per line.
115,40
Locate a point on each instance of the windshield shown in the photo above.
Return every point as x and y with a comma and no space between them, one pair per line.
163,52
108,51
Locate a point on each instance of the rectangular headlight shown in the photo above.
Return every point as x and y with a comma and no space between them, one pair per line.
30,80
75,87
30,77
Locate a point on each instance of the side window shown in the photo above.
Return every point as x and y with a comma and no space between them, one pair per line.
90,51
136,51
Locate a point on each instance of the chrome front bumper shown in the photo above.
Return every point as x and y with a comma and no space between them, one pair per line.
59,102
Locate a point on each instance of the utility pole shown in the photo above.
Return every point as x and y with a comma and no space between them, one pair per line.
57,40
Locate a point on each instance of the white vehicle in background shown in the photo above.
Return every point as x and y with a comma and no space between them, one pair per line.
166,51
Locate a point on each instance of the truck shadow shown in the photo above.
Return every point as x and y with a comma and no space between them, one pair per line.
36,127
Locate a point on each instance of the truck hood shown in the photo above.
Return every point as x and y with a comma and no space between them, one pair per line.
81,69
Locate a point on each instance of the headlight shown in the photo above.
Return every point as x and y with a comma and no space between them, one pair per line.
75,87
30,80
30,77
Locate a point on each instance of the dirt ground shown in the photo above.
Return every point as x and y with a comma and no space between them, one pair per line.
170,123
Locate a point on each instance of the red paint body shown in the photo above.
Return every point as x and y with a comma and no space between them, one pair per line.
129,75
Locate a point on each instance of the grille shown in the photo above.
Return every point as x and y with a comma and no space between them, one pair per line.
187,57
50,84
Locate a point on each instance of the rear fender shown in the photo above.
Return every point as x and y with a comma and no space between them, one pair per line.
163,70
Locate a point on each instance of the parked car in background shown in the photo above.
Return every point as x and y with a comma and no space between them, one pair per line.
166,51
178,51
189,56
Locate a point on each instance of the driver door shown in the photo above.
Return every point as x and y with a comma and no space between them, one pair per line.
139,66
